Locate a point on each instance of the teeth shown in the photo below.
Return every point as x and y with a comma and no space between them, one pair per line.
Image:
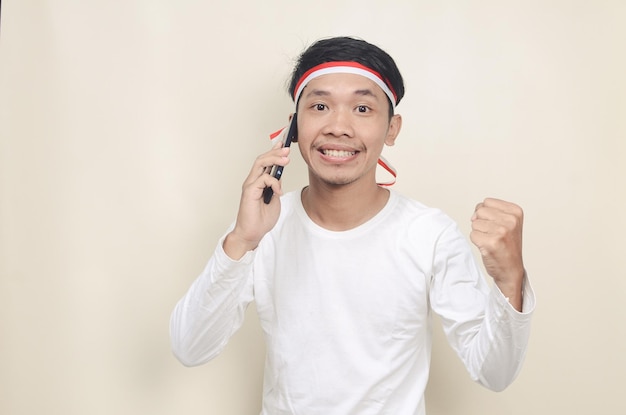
339,153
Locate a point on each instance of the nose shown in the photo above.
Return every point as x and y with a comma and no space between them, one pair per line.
339,124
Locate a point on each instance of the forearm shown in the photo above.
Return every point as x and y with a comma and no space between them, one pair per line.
212,309
497,352
487,331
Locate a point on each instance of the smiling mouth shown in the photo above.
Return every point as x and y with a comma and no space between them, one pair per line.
338,153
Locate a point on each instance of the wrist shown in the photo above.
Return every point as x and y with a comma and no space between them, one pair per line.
512,288
236,247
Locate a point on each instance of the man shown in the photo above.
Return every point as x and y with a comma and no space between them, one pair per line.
345,273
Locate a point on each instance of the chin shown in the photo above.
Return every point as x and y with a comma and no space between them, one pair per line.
338,181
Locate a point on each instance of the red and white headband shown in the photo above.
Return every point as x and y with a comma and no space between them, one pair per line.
344,67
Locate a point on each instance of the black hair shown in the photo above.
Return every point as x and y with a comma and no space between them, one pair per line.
349,49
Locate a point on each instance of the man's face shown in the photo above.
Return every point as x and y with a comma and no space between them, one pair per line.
343,124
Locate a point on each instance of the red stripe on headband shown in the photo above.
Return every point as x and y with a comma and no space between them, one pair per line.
344,63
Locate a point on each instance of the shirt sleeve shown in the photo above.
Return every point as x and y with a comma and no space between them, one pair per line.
213,308
486,331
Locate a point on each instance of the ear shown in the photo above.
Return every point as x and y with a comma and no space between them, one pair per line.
394,129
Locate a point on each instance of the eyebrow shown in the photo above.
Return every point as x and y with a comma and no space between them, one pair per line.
317,93
365,92
322,93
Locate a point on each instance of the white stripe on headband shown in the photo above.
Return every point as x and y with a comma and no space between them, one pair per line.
343,67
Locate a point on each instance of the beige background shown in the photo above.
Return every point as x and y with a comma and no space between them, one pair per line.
127,127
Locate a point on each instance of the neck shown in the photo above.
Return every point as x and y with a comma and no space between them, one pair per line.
340,208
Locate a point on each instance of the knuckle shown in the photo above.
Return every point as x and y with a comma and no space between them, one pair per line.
514,220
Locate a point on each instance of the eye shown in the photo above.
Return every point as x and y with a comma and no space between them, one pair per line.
362,109
319,107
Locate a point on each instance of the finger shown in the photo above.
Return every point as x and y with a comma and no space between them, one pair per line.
256,187
277,191
486,213
489,237
276,156
254,191
503,205
494,228
479,239
496,222
493,209
482,226
264,163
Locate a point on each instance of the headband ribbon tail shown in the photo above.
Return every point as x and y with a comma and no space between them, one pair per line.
387,166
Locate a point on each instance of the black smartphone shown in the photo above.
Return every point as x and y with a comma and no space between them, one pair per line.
291,136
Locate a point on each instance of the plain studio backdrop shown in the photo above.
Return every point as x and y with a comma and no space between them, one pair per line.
127,128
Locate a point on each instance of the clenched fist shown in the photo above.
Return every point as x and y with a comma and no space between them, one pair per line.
497,232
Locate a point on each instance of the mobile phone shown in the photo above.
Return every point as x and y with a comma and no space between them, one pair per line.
291,136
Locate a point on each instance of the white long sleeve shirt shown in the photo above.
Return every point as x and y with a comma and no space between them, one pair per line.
347,315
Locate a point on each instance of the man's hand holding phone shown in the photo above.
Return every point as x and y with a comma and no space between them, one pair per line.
258,213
